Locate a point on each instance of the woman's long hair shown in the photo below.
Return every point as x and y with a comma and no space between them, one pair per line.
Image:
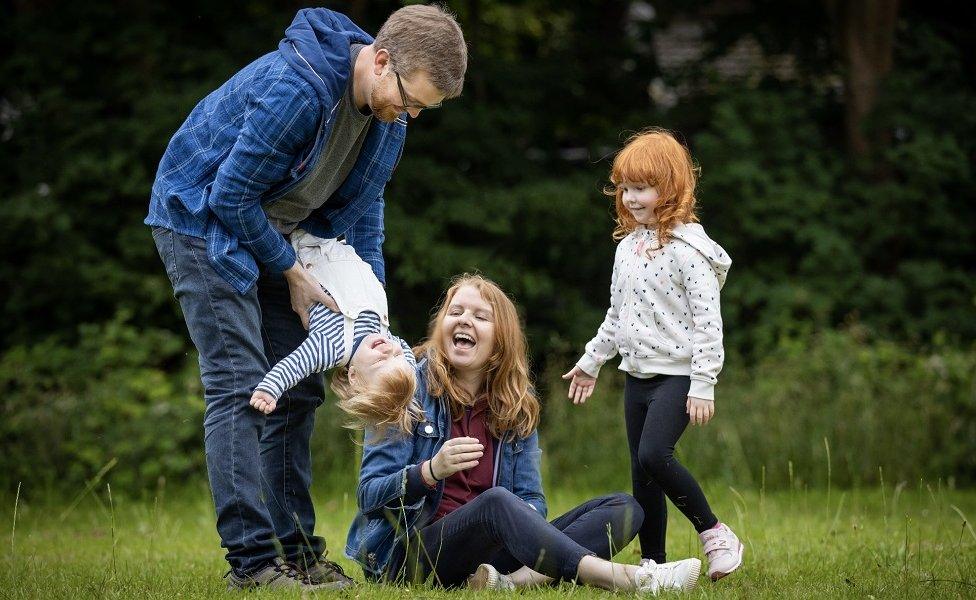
512,404
654,157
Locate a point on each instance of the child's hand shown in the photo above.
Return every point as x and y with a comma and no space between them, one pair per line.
263,401
700,411
581,386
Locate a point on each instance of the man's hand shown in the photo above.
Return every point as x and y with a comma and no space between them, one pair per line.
700,411
305,292
581,386
457,454
263,401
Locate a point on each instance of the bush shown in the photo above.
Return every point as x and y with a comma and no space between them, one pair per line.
875,405
125,394
121,393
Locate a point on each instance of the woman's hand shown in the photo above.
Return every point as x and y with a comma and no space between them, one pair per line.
581,386
457,454
700,411
305,291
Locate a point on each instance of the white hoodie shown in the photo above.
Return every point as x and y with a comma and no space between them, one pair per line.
664,315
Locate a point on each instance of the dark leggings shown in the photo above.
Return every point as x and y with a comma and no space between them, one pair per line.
656,416
503,530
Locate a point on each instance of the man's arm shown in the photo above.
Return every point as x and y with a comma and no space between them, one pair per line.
281,118
367,237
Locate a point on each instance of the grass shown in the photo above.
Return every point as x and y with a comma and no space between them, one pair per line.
884,542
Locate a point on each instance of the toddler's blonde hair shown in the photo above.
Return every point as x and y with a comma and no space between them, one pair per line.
384,403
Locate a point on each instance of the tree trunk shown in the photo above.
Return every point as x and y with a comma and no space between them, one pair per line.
865,34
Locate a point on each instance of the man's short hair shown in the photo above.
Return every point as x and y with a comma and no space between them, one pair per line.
426,38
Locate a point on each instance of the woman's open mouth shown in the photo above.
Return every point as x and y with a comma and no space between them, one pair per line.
463,341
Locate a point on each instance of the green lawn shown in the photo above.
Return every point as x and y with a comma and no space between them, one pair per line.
910,542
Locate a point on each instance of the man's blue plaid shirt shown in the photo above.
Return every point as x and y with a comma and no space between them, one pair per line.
249,142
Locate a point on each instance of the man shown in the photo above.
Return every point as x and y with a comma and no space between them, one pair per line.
306,136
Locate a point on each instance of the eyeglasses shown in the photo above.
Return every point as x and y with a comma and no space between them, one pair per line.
403,97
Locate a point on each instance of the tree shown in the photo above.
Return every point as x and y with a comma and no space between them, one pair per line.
864,31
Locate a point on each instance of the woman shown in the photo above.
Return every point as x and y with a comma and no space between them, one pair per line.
461,499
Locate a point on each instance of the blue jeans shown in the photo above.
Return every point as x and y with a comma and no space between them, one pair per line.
501,529
259,466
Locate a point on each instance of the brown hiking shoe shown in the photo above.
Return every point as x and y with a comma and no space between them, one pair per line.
328,575
278,574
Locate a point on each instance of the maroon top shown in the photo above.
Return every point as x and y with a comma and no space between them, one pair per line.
465,486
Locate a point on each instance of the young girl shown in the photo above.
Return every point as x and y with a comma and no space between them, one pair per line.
379,381
665,322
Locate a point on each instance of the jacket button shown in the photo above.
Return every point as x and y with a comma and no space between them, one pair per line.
428,429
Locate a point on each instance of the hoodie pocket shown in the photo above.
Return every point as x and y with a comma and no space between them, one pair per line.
645,339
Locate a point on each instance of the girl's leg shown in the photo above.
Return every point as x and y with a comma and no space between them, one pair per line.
666,420
650,496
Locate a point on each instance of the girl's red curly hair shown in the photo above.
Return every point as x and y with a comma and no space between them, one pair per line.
654,157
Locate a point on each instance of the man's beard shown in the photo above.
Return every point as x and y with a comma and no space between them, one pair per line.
383,112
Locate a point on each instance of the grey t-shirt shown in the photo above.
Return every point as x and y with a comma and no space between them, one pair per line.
333,165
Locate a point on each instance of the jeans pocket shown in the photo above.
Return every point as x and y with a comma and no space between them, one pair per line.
167,253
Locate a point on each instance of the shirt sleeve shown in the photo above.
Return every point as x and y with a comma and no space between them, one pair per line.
367,236
279,121
324,349
707,352
386,480
407,352
603,346
527,483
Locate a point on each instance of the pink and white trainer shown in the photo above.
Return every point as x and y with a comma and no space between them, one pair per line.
723,549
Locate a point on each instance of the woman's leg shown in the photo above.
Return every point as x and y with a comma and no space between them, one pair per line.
666,420
604,526
497,519
453,547
650,496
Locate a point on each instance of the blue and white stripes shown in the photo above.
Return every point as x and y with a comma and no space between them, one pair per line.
325,348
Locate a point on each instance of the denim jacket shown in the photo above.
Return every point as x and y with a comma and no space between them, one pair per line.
258,136
393,499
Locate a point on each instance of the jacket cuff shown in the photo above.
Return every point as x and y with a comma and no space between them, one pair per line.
589,365
284,261
269,389
379,269
416,486
702,389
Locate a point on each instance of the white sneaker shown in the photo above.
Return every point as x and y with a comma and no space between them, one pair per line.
652,578
487,577
723,549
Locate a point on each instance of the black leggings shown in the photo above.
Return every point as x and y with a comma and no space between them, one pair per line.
656,416
501,529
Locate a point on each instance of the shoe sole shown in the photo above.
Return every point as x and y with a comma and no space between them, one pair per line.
480,579
692,581
334,585
719,574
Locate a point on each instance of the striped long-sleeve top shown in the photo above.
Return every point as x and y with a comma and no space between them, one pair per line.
327,346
